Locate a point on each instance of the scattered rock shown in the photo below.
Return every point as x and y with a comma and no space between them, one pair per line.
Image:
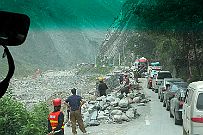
116,112
123,102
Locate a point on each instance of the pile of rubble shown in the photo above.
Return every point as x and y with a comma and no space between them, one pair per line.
113,108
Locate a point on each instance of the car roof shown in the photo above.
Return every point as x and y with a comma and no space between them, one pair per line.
178,79
197,85
164,72
180,84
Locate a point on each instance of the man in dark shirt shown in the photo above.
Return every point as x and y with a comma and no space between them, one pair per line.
121,78
75,102
102,87
56,119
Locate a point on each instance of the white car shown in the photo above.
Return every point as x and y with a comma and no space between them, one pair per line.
193,109
159,79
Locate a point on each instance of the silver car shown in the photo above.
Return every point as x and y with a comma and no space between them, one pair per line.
176,106
162,87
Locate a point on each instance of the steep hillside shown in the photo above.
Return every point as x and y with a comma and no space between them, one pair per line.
63,33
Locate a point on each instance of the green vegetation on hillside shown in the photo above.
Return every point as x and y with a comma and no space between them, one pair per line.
15,119
169,31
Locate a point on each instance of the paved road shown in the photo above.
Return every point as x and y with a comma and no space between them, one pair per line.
154,120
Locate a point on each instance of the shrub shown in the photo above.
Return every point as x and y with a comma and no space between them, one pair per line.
16,120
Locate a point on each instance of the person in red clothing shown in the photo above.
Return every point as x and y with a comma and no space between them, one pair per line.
126,80
56,119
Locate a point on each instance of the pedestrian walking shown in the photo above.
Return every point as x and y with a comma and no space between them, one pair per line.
75,102
56,119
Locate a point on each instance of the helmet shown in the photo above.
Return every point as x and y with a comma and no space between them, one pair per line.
57,102
100,78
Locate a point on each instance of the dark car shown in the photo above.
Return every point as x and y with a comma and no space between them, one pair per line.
169,94
162,88
176,105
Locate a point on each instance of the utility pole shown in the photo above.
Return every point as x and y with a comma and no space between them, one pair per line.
119,59
124,54
95,61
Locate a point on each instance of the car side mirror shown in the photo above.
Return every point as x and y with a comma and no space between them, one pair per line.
13,28
13,32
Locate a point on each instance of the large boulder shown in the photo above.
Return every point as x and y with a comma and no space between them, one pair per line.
102,117
101,98
86,118
131,113
115,102
110,98
136,99
94,115
131,95
124,117
123,102
130,100
116,112
117,118
93,123
91,108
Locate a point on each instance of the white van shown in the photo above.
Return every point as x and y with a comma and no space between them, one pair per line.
193,109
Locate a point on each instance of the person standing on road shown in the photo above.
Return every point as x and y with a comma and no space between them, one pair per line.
168,86
135,72
102,87
126,80
56,119
121,78
75,102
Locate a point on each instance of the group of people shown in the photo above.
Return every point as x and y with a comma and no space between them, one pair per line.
74,104
56,118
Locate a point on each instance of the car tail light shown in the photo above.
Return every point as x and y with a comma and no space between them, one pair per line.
181,104
197,119
150,81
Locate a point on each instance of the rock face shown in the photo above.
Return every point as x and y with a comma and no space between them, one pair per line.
62,33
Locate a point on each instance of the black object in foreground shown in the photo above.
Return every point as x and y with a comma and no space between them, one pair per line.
13,31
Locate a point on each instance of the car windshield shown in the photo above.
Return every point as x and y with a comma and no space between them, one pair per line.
174,88
90,46
164,75
182,85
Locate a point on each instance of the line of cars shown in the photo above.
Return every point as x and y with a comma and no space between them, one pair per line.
183,101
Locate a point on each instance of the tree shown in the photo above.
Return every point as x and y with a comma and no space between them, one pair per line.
172,18
13,116
15,119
